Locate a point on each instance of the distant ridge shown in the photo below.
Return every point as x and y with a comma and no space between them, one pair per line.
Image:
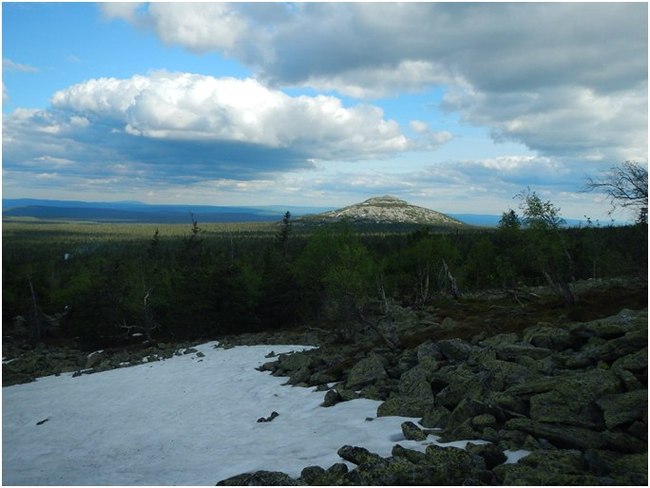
64,210
384,210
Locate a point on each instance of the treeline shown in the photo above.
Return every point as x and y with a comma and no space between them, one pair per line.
202,285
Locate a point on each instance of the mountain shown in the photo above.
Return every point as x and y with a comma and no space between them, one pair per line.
142,212
384,210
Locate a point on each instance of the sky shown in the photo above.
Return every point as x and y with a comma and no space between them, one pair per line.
137,426
451,106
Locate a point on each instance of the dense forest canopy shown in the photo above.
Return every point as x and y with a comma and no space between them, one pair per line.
101,284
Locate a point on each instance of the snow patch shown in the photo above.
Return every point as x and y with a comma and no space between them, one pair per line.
182,422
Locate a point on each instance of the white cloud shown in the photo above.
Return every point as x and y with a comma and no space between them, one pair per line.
9,65
563,78
200,27
5,95
184,106
120,10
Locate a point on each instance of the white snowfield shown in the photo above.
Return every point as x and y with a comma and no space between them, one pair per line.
188,420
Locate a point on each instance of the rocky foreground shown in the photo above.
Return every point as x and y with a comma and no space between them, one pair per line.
568,385
574,395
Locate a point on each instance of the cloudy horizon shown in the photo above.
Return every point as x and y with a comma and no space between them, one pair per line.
451,106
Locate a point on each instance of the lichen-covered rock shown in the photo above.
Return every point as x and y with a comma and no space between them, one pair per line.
416,382
571,398
554,467
366,371
295,361
311,475
259,478
624,408
404,407
361,456
332,397
550,337
412,432
561,436
436,417
455,349
491,454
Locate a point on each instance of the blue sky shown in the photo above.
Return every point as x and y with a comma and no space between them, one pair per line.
456,107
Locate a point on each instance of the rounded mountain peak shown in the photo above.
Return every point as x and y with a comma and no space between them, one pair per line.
384,200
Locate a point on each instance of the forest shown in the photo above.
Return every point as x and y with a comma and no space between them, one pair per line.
102,285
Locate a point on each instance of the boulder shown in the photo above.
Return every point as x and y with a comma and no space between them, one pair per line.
259,478
561,436
550,337
416,383
514,352
571,399
455,349
404,407
624,408
491,454
332,397
412,432
366,371
361,456
543,468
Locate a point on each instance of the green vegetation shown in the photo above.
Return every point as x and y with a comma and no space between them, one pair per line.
102,283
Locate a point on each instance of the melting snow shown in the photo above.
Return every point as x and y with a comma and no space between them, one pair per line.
183,421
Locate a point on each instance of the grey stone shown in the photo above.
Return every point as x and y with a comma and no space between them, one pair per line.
259,478
366,371
624,408
455,349
412,432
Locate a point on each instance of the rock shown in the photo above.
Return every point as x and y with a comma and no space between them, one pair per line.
416,383
361,456
561,436
404,407
416,457
514,352
366,371
300,376
269,418
623,442
549,337
624,408
295,361
636,362
610,327
332,397
500,340
311,474
453,466
412,432
455,349
571,400
543,468
437,417
491,454
428,352
94,359
484,421
321,378
259,478
504,374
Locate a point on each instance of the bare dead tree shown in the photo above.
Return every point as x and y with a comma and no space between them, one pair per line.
625,186
449,278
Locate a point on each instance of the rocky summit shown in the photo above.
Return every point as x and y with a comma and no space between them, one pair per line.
385,210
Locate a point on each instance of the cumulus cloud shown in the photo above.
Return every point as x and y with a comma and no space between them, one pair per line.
121,10
562,78
185,127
